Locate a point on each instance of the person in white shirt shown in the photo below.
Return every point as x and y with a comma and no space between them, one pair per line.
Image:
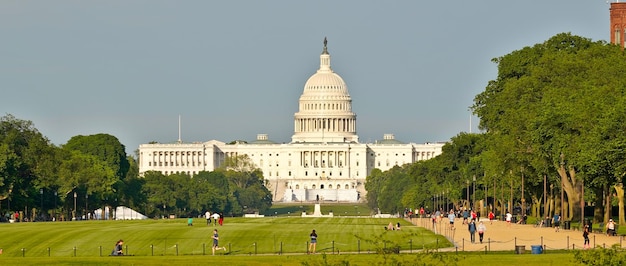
216,216
610,228
509,216
207,215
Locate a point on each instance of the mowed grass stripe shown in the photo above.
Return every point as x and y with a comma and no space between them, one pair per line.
241,235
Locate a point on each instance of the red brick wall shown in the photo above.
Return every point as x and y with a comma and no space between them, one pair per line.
618,21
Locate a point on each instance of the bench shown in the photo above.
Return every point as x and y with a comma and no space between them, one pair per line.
600,229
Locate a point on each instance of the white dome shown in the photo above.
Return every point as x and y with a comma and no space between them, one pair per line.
326,82
325,109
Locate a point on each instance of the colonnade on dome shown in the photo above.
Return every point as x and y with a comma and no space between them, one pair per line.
331,125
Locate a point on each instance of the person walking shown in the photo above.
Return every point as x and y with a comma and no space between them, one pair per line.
481,231
491,217
509,216
207,215
451,217
216,239
471,227
586,236
216,216
556,220
465,216
313,243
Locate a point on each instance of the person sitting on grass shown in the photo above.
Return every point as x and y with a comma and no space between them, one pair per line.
390,226
118,250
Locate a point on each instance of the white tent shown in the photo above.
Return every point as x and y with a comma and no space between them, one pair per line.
121,213
125,213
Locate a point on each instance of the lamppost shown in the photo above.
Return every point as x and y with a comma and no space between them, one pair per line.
74,211
445,202
474,191
86,201
41,193
467,194
434,207
582,201
562,195
545,195
55,205
523,199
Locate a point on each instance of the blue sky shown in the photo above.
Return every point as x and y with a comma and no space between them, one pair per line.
233,69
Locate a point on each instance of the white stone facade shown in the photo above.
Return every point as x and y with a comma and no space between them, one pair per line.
324,161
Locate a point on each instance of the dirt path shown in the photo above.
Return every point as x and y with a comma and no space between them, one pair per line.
500,236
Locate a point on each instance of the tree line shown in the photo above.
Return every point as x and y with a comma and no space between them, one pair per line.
553,140
41,181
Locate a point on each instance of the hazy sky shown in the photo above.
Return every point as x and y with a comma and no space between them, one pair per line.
233,69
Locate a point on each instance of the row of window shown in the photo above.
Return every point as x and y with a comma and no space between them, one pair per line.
330,186
191,173
188,153
175,164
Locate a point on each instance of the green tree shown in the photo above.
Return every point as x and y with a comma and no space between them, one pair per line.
160,190
541,110
217,190
104,146
246,184
27,162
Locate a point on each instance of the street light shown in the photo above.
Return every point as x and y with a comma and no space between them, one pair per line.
445,203
86,201
582,200
74,211
41,193
55,205
562,196
474,191
523,199
467,194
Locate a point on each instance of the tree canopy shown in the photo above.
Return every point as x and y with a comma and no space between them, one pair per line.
89,172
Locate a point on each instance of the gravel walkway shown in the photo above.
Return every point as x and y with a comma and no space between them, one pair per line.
501,236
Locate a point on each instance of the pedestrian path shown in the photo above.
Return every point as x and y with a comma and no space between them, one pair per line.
501,236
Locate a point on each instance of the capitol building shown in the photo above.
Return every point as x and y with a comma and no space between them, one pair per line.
324,160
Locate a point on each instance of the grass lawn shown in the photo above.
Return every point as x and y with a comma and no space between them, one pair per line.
341,241
338,209
284,235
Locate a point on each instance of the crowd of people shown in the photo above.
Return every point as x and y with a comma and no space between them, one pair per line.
216,218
